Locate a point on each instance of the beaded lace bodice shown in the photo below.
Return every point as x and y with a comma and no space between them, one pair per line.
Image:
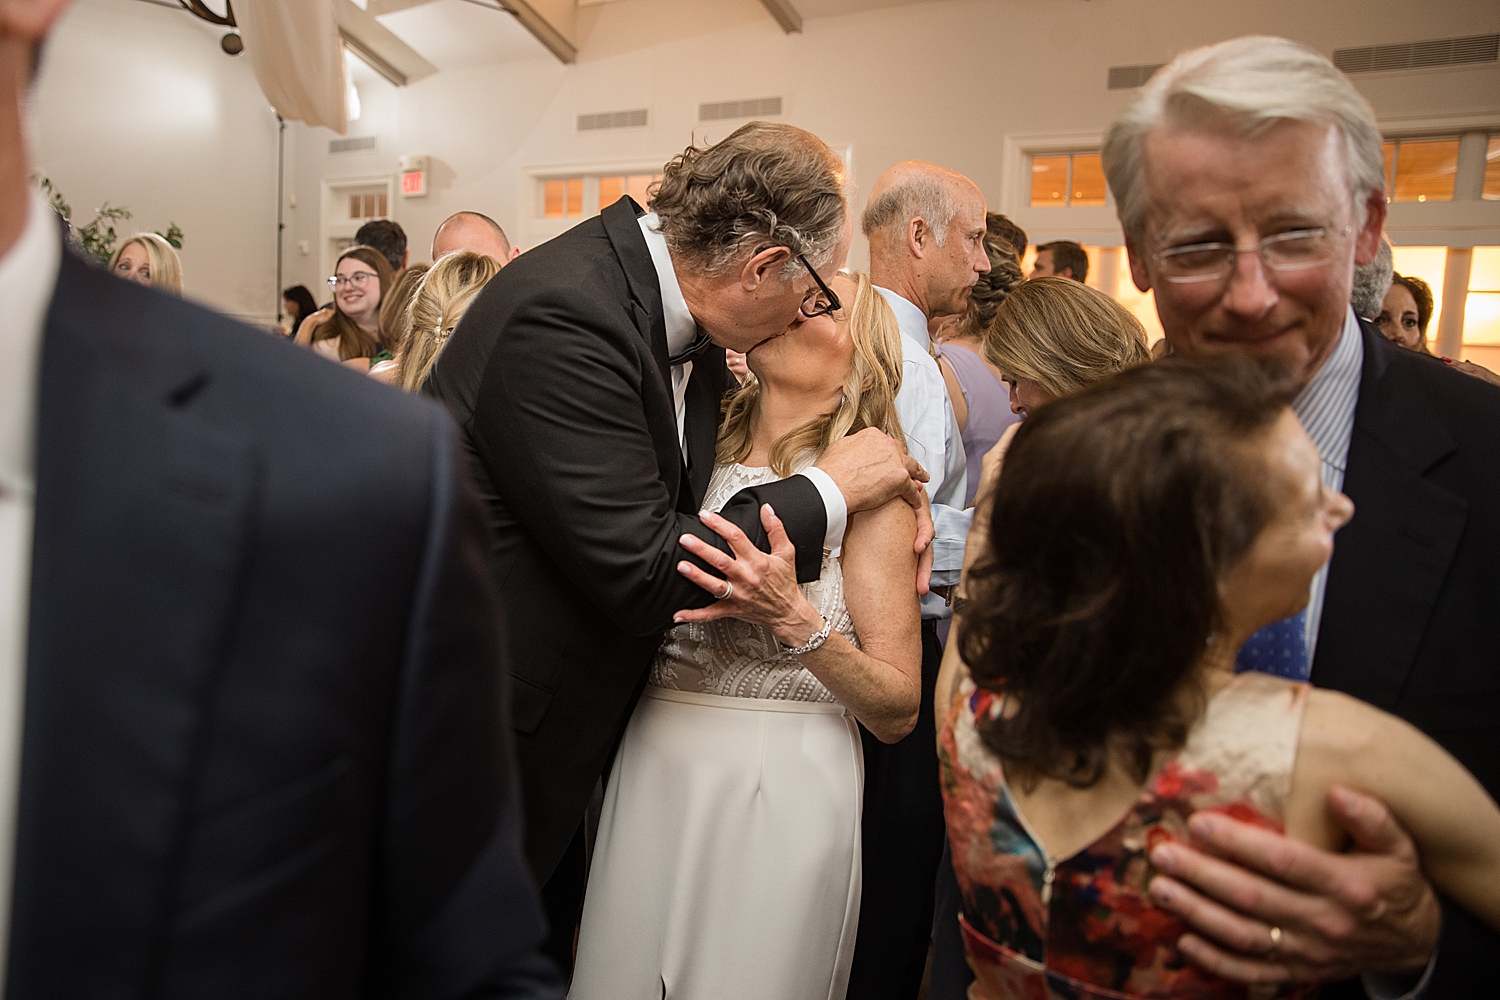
737,659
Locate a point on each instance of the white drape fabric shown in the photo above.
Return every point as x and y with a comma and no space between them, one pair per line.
298,58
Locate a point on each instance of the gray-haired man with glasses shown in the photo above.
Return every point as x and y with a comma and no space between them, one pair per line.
1250,183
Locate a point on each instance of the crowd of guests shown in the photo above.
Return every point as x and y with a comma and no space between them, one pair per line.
758,627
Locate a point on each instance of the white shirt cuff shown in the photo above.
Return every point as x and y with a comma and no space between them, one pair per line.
1392,986
833,503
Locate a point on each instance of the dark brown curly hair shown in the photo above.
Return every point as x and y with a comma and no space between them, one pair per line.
1120,510
767,185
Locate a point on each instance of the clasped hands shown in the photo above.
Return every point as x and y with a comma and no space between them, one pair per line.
870,469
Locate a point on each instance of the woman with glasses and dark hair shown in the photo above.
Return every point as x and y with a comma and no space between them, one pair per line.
728,857
350,331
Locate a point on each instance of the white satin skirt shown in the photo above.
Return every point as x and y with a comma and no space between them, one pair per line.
728,862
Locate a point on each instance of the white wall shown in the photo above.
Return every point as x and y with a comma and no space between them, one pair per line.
940,81
138,106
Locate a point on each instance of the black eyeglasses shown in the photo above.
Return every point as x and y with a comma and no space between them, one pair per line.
812,306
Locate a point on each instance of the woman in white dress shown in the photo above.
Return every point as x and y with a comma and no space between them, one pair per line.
727,864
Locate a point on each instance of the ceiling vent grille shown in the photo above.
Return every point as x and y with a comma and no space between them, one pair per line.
754,107
1419,55
634,118
353,144
1131,77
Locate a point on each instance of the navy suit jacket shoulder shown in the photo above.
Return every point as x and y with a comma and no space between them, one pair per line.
265,750
1415,579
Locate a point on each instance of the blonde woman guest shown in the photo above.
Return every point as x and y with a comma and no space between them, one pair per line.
395,322
1049,338
728,858
350,331
148,260
440,302
1053,336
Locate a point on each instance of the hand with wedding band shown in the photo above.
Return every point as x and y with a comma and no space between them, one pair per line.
756,586
1263,908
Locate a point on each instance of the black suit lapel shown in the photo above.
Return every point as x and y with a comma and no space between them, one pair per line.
640,272
1405,530
705,389
624,232
143,522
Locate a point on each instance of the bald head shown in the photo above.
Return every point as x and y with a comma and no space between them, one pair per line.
915,189
914,209
472,231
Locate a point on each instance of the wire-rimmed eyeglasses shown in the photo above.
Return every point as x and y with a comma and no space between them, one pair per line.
1298,250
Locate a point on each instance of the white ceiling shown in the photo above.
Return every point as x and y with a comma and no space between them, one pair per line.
832,8
452,34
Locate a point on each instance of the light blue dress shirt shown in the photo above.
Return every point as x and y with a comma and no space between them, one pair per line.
933,439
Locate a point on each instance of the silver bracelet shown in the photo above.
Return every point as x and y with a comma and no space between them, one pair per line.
818,638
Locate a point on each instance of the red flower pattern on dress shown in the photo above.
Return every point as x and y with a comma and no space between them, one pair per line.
1099,935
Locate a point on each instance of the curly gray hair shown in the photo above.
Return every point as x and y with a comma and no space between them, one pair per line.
766,185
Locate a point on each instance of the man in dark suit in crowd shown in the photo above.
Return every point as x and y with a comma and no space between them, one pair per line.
587,378
1250,184
247,747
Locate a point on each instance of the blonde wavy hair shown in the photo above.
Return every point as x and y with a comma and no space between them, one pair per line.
166,266
869,391
441,299
1063,335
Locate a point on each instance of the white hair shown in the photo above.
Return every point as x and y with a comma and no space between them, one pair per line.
1247,84
1371,282
920,196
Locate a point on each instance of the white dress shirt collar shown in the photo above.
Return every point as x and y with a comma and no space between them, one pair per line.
682,329
911,320
28,276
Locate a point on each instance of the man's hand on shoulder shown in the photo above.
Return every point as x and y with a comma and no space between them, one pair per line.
1264,908
870,468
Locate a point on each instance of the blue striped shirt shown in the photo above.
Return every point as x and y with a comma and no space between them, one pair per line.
1325,406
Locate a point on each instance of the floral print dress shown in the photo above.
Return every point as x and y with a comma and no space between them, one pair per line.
1042,928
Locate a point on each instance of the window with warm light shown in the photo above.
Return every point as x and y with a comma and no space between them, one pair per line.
1420,170
562,198
1482,308
368,205
637,186
1492,170
1067,179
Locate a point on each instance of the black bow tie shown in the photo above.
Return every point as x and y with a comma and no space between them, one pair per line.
691,351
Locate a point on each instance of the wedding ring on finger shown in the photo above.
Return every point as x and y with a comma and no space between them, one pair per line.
1275,942
728,592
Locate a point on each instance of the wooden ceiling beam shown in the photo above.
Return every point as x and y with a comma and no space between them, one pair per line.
785,14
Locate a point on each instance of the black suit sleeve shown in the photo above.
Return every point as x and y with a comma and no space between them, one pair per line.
458,913
563,424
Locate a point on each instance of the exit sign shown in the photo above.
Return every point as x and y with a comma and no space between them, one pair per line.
414,183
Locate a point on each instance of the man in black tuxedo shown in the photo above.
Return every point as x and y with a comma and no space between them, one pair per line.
252,705
587,378
1250,183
